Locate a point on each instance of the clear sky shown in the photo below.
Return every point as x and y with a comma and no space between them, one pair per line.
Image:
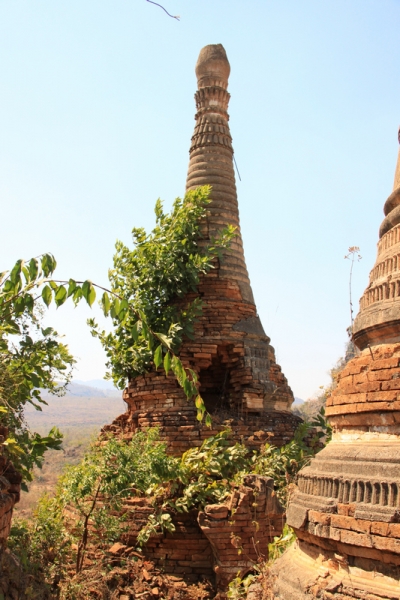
96,115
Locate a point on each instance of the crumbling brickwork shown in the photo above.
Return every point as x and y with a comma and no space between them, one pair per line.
241,529
186,551
181,429
242,385
225,539
230,353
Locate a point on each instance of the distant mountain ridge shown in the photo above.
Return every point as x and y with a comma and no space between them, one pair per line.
86,389
297,401
82,389
100,384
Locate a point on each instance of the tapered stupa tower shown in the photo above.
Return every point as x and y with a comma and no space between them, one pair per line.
211,161
231,354
346,511
379,316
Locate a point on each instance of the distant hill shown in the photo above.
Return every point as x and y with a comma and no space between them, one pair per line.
77,388
297,401
84,390
82,406
100,384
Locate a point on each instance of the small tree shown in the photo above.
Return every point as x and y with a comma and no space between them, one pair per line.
148,325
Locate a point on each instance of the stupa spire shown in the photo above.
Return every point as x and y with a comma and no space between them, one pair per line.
396,184
238,376
378,320
211,158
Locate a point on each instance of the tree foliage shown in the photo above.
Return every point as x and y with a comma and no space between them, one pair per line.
31,359
148,323
151,281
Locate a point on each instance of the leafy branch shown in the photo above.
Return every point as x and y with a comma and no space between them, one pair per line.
147,302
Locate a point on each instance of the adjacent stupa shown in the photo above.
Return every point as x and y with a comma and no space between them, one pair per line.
346,510
239,378
379,316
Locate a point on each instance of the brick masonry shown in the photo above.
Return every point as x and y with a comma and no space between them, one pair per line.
240,381
230,353
225,539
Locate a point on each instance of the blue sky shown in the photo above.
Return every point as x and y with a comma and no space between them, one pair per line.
96,115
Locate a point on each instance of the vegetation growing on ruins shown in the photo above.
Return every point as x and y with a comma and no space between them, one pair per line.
161,269
93,492
163,266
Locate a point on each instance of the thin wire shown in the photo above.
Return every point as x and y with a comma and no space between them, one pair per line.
172,16
234,159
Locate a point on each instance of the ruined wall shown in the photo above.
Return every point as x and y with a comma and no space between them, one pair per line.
225,539
185,552
181,429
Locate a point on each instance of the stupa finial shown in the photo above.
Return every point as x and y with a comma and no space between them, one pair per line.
212,67
396,184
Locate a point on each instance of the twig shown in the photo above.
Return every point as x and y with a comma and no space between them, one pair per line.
354,252
172,16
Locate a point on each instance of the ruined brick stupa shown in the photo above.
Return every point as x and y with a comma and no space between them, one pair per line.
232,355
346,512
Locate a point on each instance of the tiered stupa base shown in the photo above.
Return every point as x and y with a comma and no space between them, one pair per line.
307,571
346,510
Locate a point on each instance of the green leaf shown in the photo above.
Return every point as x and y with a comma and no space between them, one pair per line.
29,302
105,303
167,363
26,274
77,295
92,296
47,295
188,388
199,403
208,420
71,287
158,356
145,331
88,292
33,268
200,415
123,309
135,330
114,310
61,296
165,340
48,264
11,327
16,272
37,382
47,331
